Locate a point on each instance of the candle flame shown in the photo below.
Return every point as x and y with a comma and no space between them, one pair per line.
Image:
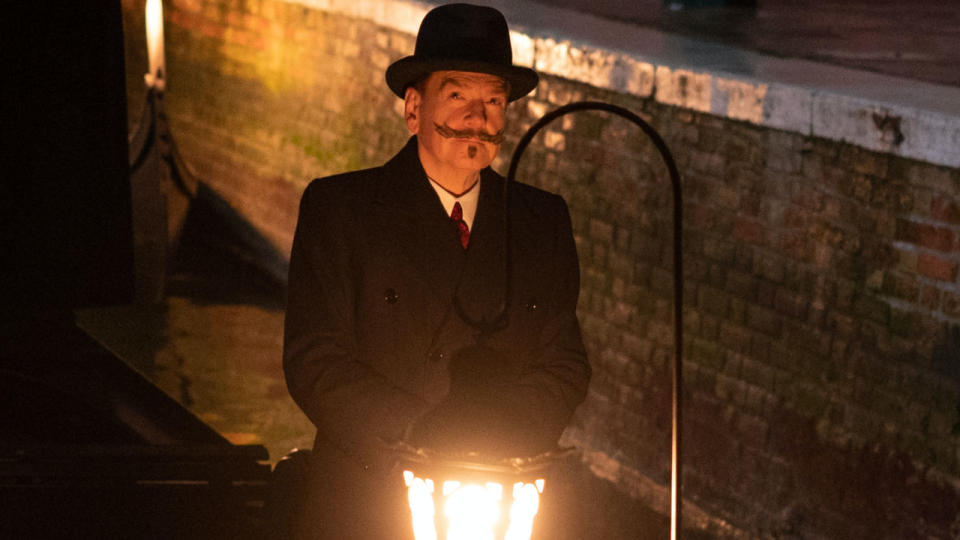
155,51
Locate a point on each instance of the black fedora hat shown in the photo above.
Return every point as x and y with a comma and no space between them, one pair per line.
462,37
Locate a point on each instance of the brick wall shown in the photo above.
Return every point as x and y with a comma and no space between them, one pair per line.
822,341
263,96
822,311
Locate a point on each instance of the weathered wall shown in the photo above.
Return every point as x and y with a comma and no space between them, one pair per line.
823,299
822,348
264,96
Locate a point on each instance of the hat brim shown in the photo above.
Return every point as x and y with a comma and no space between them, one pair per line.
408,70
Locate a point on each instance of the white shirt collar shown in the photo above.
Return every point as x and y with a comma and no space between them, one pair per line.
468,201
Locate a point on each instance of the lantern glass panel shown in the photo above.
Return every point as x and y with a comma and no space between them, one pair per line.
472,510
422,510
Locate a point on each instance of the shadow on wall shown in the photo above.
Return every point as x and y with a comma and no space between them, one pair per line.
946,357
222,257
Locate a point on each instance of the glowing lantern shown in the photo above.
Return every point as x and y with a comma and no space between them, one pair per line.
473,500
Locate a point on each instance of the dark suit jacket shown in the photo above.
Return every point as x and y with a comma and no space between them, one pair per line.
370,327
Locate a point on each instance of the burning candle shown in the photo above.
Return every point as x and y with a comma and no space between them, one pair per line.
156,75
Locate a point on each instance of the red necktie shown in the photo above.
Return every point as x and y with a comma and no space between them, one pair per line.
456,216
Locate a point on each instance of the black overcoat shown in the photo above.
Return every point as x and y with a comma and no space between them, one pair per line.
370,325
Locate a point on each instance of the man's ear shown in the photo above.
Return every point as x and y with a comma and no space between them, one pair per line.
411,109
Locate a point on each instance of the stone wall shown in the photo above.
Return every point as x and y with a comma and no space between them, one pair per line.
263,96
821,318
822,311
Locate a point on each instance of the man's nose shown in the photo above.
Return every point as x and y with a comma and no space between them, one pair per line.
476,114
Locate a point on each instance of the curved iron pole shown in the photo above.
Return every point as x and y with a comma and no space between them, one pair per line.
675,463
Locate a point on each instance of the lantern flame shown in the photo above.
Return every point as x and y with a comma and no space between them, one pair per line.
450,486
472,510
526,502
420,496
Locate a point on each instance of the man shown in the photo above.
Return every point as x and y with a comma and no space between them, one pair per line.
421,306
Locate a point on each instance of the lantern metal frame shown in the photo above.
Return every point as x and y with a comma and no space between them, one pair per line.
436,469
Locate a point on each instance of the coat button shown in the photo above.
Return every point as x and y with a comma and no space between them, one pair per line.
531,304
436,356
391,296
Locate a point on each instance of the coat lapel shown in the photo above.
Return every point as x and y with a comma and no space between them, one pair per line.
417,225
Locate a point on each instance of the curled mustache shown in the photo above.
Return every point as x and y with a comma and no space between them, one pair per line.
450,133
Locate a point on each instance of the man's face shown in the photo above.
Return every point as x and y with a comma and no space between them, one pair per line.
458,119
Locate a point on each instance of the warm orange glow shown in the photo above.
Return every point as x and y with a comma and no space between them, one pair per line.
157,73
420,496
526,502
450,486
472,511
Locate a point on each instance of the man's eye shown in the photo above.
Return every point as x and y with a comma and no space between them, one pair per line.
455,95
496,101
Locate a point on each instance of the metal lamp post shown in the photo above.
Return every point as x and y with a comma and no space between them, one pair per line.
675,461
